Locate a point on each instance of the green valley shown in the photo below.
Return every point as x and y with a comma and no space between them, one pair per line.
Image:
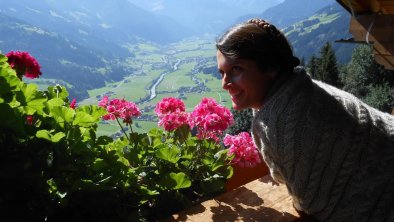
174,70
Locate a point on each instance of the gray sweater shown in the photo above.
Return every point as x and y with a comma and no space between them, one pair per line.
334,153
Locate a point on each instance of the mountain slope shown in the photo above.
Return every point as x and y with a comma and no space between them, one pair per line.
289,11
328,24
205,16
96,24
59,57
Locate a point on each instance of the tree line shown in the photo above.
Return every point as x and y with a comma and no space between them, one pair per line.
362,76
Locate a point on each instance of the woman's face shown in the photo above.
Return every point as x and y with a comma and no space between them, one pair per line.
243,80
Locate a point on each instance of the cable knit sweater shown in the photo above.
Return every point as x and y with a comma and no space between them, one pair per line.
334,153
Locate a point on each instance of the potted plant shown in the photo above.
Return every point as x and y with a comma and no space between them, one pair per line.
54,166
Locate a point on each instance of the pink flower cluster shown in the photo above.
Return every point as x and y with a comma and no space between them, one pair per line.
24,64
244,150
171,113
169,105
119,108
210,119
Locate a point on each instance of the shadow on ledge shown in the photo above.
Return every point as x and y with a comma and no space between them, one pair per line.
242,205
259,200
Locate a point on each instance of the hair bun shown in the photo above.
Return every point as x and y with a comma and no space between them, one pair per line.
295,62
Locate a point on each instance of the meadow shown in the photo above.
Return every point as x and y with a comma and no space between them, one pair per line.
185,81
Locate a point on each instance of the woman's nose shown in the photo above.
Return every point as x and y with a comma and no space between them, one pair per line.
226,83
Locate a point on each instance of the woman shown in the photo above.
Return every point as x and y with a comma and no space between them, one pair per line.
334,153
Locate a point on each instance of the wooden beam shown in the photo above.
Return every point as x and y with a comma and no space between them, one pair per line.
381,33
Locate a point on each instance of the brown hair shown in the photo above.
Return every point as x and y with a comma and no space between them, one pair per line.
261,42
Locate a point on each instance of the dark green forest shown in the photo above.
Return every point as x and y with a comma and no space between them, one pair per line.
362,76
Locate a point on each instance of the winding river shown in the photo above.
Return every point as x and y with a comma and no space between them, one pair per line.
153,88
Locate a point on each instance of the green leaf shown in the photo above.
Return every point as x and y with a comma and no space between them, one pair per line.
83,119
214,184
8,80
168,154
9,120
57,137
37,104
30,91
43,134
208,160
63,94
182,133
55,102
8,84
95,111
62,114
176,181
99,164
103,140
221,155
188,153
31,99
155,132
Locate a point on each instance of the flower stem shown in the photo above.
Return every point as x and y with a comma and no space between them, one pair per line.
117,120
131,129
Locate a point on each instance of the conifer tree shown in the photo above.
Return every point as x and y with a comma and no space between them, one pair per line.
302,61
327,70
369,81
312,66
362,71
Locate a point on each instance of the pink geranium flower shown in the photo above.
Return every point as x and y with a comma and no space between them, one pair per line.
169,105
244,150
171,113
210,119
173,121
24,64
29,120
73,104
119,108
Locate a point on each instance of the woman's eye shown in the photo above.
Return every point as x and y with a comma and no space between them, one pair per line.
236,70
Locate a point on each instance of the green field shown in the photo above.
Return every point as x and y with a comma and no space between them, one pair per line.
175,80
149,62
202,53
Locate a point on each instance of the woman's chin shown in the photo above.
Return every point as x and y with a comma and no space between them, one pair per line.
237,107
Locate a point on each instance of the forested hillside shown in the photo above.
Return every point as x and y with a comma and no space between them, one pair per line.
326,25
62,60
289,12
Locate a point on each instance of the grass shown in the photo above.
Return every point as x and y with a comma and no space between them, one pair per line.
201,53
145,47
175,80
107,128
153,58
143,126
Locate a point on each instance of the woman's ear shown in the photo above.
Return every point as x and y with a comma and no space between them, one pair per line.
272,74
